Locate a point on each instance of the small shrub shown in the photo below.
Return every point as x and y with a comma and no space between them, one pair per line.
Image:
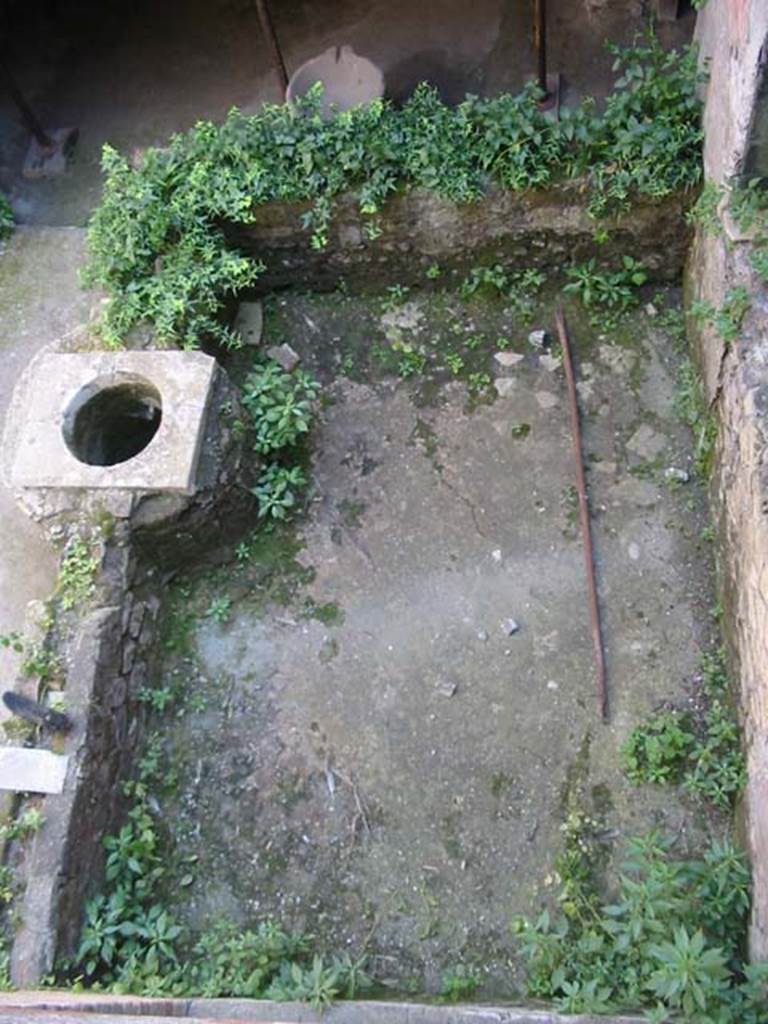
278,489
658,751
280,406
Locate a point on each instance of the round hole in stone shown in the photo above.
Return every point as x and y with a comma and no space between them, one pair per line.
110,420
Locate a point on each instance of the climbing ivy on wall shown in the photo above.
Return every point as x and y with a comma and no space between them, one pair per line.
157,244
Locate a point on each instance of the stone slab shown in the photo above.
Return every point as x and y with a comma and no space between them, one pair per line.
168,463
26,770
103,1007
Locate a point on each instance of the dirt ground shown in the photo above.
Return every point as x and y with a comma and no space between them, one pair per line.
367,753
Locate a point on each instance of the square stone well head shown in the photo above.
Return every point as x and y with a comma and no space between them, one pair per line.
120,420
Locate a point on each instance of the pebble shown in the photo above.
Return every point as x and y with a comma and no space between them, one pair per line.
508,358
496,555
549,362
546,399
633,550
680,476
446,688
505,386
249,322
537,338
509,626
482,635
646,442
552,685
285,357
651,310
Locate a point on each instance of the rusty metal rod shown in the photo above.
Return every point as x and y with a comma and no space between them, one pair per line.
586,533
268,30
540,42
27,114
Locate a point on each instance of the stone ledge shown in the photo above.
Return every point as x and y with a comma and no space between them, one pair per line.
13,1007
168,463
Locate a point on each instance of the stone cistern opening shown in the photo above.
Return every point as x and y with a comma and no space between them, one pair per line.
111,421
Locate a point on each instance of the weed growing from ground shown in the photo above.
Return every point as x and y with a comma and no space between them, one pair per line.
669,940
459,985
611,293
692,408
76,582
728,318
220,609
278,490
706,756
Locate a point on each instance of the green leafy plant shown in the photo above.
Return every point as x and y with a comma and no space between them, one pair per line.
158,698
669,939
491,280
658,751
277,490
280,406
157,243
459,984
76,582
613,290
692,408
220,608
728,318
705,756
12,641
412,362
7,220
454,362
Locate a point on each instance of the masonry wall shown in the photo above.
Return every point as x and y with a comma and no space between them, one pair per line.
733,35
522,230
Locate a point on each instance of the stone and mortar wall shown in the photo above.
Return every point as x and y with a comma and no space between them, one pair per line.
418,228
107,654
733,35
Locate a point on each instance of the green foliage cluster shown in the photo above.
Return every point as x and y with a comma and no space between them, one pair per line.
131,942
659,750
280,406
610,292
706,757
519,289
669,941
157,241
7,220
692,408
76,583
728,318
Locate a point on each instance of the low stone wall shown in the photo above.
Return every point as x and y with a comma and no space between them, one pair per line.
736,383
106,651
418,228
107,666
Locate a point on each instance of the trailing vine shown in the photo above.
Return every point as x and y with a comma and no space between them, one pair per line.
157,242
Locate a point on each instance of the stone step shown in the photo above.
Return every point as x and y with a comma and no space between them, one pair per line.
29,770
61,1007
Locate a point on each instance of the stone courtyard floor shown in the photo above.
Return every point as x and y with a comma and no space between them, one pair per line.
365,752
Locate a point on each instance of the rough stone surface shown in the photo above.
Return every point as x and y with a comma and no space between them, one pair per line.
31,771
415,488
249,322
731,37
104,1009
285,357
736,386
535,229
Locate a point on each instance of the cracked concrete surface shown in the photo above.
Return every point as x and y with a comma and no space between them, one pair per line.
375,758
